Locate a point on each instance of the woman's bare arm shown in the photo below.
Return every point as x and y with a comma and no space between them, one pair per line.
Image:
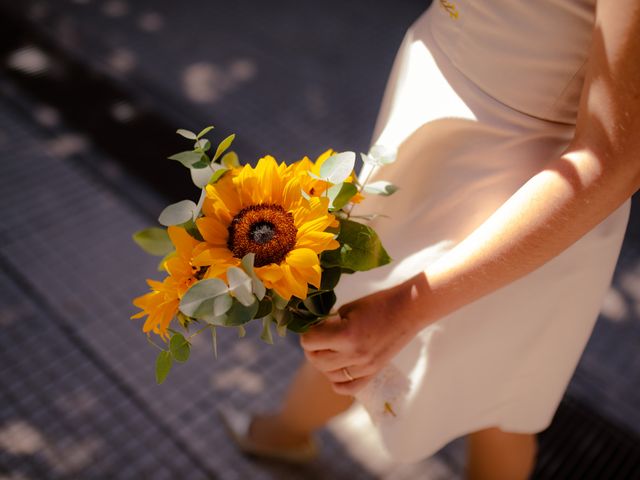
595,175
557,206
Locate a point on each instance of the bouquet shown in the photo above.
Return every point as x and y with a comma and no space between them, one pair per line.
267,243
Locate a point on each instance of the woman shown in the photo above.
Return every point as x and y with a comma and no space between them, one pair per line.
518,129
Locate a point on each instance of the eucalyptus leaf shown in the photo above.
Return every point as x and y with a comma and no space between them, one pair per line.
192,229
163,366
205,130
240,314
382,155
178,213
282,319
186,133
266,335
201,292
222,147
360,248
191,159
202,144
265,307
240,285
241,331
282,330
257,286
381,187
340,194
338,167
154,240
213,310
214,342
201,176
180,348
278,302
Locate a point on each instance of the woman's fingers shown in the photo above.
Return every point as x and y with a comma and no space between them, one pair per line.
325,336
326,360
349,373
350,388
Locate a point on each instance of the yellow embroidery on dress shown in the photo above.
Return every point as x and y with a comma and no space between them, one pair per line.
450,8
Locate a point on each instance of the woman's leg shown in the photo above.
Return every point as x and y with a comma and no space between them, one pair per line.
308,405
496,455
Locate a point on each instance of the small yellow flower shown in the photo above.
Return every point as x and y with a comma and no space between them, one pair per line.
161,304
261,210
313,186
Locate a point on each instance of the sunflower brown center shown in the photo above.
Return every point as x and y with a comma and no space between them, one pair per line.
266,230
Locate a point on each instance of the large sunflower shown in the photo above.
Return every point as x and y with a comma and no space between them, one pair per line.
160,305
262,210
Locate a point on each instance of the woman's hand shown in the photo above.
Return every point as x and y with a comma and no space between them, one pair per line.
351,348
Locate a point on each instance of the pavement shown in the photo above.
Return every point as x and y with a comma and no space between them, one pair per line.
77,390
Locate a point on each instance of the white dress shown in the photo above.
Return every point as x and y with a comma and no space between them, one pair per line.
478,105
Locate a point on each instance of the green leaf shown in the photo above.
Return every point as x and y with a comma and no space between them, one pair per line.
230,160
300,322
266,331
265,307
163,366
186,133
217,175
214,342
240,286
180,348
192,229
178,213
321,303
205,130
257,286
224,144
240,314
278,302
201,176
338,167
154,240
360,249
340,194
191,159
330,278
201,292
382,155
203,144
381,187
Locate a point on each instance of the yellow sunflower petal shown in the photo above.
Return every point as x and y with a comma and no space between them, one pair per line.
212,256
178,267
312,274
317,241
183,242
302,257
269,273
293,281
213,231
269,180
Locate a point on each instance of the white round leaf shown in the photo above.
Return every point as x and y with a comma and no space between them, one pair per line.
177,213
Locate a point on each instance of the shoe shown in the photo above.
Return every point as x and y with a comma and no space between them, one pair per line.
238,423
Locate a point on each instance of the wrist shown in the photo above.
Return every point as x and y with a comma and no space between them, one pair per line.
411,298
